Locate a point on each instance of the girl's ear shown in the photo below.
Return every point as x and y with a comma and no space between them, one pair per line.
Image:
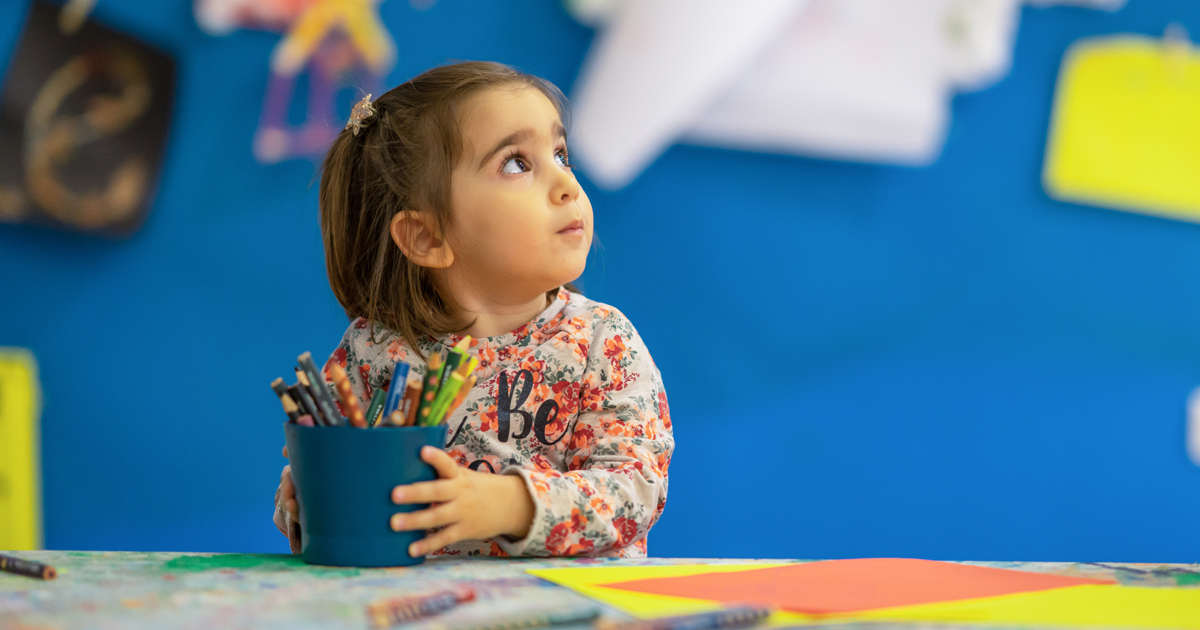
416,236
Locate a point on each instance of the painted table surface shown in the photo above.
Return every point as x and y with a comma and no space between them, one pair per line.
130,590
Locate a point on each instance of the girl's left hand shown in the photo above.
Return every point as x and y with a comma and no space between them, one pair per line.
468,505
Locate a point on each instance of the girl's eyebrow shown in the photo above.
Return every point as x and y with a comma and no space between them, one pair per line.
556,131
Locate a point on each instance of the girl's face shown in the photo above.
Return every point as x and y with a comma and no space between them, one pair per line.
519,222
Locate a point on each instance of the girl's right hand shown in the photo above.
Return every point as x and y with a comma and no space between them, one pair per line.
287,511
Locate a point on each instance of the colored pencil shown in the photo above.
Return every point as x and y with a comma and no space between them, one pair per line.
454,358
320,390
281,391
396,390
345,394
375,409
290,408
412,400
305,420
306,391
433,375
738,617
307,406
462,395
9,564
530,619
447,393
396,610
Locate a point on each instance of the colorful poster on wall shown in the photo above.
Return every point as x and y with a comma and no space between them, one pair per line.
335,42
86,113
1124,132
20,467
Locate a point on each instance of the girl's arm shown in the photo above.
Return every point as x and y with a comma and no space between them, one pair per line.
617,456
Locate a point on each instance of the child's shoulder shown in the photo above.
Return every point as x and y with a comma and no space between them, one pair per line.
369,341
596,319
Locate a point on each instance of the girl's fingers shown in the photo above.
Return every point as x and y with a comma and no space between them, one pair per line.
286,487
442,538
445,465
423,519
285,451
439,491
293,508
280,522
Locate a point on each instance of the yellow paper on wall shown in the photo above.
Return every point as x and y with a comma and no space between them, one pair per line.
1125,133
20,469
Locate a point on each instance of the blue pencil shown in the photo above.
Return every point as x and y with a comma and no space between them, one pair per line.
396,391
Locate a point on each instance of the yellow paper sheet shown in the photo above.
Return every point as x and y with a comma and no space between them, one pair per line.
20,479
1100,606
1097,605
586,581
1125,133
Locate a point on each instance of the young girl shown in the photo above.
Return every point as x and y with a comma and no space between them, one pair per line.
449,208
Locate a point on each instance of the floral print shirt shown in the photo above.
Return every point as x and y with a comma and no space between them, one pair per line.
571,402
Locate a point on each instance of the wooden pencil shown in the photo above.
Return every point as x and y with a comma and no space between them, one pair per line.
433,375
341,385
29,568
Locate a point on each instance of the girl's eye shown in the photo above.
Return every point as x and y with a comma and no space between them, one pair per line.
563,160
514,165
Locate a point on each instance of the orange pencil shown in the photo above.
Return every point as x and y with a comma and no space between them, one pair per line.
462,395
341,383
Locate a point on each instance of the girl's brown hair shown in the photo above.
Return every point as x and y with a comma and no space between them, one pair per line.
401,159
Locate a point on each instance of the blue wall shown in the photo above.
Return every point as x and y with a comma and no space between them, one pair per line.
969,370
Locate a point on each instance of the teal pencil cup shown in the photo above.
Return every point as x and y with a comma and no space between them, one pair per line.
344,478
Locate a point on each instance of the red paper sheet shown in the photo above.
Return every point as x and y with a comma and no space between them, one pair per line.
844,586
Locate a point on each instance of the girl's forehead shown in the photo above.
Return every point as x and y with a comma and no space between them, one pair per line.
499,112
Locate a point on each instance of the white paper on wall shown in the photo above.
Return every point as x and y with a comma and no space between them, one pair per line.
861,80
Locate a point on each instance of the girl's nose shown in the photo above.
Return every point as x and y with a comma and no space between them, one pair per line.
566,189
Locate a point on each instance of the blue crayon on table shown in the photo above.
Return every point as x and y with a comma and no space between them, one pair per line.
395,610
737,617
396,390
529,619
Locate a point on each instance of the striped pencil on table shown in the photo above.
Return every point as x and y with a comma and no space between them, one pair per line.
736,617
385,613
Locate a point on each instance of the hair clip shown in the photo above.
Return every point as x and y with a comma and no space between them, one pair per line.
359,115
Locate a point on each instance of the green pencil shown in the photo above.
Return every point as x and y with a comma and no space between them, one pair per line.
454,358
449,391
433,376
376,407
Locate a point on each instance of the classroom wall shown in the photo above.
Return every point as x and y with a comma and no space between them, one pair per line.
956,367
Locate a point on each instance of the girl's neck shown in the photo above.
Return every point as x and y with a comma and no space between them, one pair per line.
494,318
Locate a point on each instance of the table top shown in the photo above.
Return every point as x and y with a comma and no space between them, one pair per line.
132,590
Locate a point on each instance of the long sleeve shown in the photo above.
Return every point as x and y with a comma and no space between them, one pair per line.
617,455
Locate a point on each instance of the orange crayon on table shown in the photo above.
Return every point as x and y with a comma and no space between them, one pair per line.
341,384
